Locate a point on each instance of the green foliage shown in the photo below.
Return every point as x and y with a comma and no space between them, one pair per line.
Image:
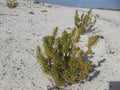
85,22
93,40
12,4
62,59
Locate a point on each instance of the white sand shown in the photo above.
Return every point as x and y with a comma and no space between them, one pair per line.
21,32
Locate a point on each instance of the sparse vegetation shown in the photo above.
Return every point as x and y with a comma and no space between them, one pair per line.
12,4
85,22
62,59
93,40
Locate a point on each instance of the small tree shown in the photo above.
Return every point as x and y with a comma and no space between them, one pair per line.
62,59
85,22
12,4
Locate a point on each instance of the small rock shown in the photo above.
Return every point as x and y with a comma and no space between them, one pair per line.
31,12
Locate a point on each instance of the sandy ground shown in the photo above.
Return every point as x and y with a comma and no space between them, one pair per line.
21,32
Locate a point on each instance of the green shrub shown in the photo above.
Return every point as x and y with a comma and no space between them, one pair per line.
62,59
12,4
93,40
85,22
